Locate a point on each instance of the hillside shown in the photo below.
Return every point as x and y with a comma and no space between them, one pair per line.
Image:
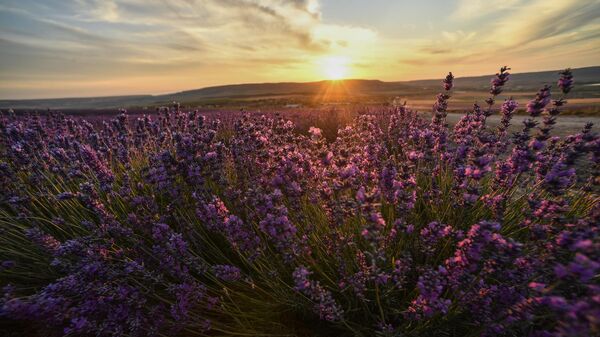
587,80
518,81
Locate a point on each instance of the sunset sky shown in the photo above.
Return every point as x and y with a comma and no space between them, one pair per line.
61,48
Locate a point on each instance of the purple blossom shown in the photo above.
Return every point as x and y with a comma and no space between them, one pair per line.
565,83
499,81
227,273
537,105
175,222
448,81
325,305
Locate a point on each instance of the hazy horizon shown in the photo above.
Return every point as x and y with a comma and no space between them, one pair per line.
89,48
278,82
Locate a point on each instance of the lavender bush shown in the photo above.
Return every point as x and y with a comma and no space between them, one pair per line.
177,225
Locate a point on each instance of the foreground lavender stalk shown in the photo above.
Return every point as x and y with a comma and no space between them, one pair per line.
177,224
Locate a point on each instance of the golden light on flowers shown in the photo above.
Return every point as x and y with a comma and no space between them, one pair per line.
335,67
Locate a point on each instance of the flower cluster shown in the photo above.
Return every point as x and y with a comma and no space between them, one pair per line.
325,305
245,223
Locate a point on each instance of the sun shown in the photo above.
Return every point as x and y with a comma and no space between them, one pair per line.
335,67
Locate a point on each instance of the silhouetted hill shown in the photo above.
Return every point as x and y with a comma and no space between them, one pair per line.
518,81
284,88
586,87
77,102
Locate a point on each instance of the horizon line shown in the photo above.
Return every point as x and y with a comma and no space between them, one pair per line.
258,83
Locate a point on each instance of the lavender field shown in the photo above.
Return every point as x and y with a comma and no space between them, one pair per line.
395,224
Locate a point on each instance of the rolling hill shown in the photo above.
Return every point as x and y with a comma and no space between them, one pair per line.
587,86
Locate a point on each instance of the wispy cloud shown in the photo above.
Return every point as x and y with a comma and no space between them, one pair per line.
541,19
166,45
530,35
473,9
114,38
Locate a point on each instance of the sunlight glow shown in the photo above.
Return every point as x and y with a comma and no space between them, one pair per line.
335,67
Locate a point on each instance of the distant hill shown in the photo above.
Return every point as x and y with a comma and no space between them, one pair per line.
587,80
76,102
519,81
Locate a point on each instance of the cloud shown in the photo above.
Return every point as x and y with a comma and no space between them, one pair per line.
472,9
458,37
518,24
540,20
216,40
541,33
449,44
182,44
105,10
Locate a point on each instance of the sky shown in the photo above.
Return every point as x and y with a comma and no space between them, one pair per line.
77,48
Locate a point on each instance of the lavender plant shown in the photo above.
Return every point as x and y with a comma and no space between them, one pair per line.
176,225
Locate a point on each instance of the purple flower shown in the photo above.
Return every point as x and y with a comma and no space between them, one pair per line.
227,273
448,81
65,196
499,81
537,286
325,305
315,132
507,110
537,105
565,83
43,240
176,222
7,264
